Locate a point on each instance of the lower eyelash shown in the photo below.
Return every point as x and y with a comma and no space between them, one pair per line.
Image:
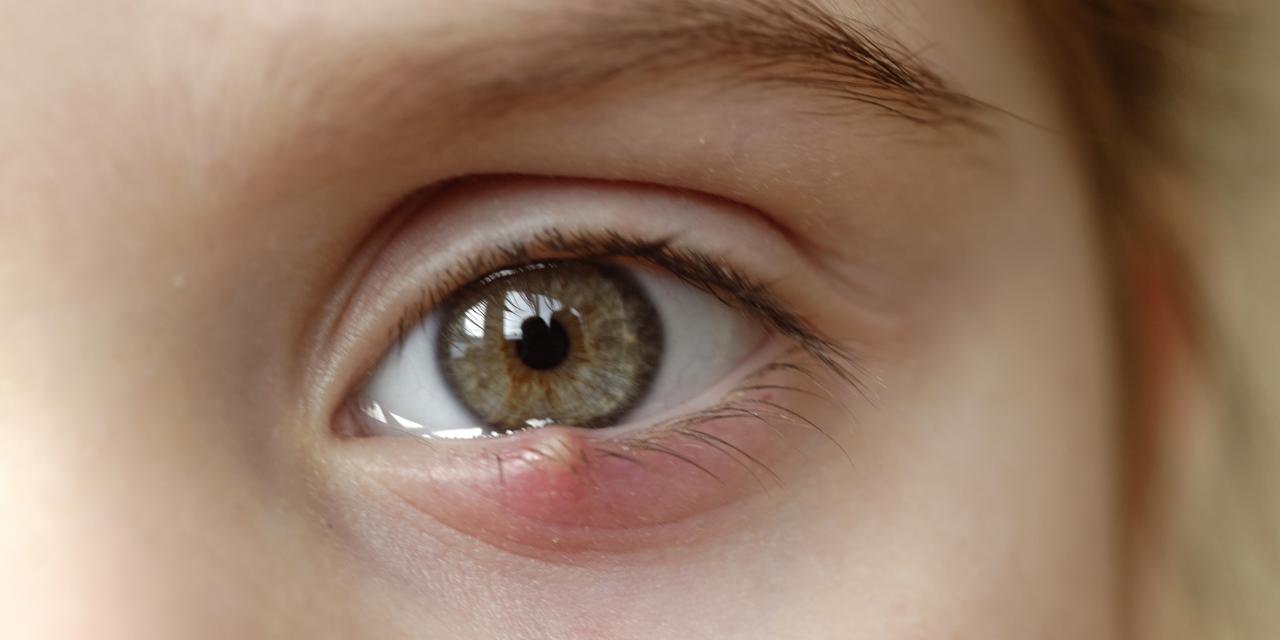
737,404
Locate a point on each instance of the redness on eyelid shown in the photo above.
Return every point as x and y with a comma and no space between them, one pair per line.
562,490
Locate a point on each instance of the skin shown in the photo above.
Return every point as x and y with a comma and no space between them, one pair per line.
190,290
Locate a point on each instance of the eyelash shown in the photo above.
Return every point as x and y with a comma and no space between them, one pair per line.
733,407
695,269
707,274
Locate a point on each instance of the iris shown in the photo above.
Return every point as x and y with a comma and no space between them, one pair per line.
575,343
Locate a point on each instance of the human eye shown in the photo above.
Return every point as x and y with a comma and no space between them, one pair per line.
582,343
573,377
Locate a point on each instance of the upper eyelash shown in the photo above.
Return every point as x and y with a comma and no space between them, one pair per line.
699,270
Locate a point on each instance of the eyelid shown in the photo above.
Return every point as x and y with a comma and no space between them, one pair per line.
452,235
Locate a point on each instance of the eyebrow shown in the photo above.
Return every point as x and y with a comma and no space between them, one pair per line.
792,43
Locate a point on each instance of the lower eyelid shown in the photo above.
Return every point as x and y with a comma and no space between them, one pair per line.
563,491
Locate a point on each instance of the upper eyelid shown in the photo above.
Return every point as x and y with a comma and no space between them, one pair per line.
441,238
722,281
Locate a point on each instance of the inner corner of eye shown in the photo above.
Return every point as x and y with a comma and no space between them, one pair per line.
576,343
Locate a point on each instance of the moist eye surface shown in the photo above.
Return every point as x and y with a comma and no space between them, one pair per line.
573,343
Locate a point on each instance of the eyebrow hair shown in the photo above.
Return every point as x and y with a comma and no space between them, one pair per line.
795,43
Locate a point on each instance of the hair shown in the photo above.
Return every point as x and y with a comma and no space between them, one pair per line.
1220,545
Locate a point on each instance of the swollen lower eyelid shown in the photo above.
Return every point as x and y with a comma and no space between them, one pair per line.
561,491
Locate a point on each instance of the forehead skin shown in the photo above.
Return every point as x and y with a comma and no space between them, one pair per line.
181,183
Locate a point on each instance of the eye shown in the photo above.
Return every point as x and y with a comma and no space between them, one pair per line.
579,343
592,367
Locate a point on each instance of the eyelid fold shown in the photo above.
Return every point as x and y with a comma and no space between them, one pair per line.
449,236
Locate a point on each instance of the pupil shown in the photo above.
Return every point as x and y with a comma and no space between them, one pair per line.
541,346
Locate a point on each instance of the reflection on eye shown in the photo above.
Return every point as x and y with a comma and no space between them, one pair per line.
579,343
552,343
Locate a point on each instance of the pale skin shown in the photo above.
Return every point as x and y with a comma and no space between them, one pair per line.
187,194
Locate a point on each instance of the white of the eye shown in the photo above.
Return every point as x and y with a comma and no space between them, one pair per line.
703,342
408,395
